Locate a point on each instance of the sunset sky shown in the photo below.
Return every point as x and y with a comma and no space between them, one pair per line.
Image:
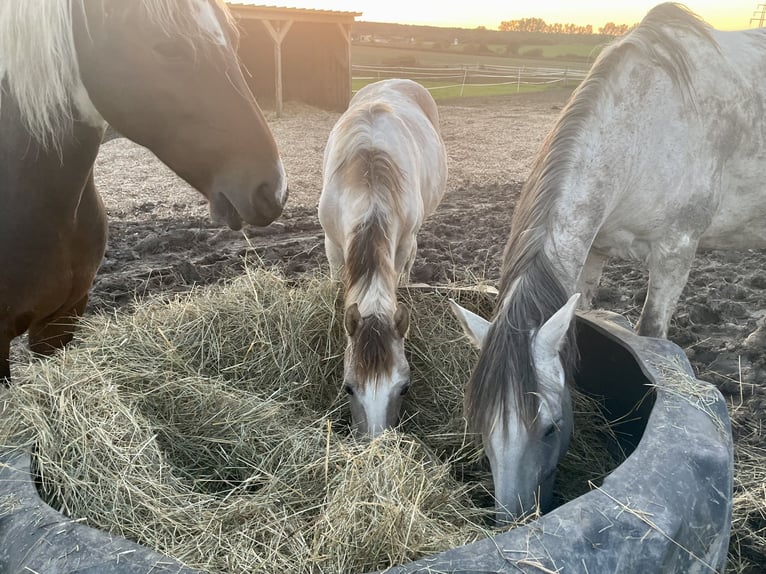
724,14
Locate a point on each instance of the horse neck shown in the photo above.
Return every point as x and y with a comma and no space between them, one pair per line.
564,203
51,176
369,275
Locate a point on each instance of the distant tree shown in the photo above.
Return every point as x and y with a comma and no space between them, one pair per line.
612,29
524,25
540,25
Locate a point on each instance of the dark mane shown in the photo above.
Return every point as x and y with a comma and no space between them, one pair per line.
372,348
367,167
367,254
530,291
505,374
372,171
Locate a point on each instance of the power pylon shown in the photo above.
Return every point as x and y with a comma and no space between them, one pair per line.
759,15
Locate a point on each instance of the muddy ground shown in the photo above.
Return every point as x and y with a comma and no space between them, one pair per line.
161,240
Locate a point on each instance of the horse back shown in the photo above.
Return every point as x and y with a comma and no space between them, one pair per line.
397,118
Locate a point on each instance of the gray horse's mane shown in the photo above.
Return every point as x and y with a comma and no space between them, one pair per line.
530,291
38,61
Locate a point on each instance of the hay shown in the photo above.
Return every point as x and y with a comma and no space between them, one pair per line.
211,428
747,546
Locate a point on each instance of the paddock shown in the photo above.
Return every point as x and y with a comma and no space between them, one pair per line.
161,242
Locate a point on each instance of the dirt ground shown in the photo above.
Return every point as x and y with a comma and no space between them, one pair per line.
161,239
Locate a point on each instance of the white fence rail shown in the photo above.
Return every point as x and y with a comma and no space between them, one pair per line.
478,75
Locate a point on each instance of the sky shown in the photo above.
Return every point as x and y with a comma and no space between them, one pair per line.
723,14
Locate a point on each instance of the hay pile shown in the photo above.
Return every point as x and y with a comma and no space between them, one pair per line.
211,428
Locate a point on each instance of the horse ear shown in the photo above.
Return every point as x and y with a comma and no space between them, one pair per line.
550,336
402,319
352,319
475,327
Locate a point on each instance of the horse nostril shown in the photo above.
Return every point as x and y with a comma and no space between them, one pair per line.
263,190
268,193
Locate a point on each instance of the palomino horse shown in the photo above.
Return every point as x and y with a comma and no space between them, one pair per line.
166,75
660,150
385,170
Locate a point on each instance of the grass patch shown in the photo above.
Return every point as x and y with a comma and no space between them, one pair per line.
560,51
365,55
439,92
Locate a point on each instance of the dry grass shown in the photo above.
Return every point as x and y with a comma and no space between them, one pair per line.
211,428
747,546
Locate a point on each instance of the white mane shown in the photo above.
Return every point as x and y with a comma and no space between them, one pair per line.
39,61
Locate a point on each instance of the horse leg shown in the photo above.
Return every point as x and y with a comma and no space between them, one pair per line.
334,257
54,333
405,259
589,279
668,271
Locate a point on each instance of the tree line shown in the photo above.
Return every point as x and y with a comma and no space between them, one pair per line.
541,26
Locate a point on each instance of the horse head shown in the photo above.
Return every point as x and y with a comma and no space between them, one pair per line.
524,451
376,372
166,75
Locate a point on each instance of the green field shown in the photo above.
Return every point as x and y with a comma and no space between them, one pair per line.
368,55
469,90
451,87
559,51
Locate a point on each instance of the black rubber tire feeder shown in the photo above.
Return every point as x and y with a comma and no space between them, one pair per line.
666,509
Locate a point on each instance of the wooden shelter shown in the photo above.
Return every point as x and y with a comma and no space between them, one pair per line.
296,54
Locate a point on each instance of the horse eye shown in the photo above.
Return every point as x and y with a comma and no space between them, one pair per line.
174,50
405,389
349,390
549,431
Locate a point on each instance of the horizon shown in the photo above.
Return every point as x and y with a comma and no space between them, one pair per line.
735,15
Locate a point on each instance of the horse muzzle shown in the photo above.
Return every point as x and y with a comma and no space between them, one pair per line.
233,204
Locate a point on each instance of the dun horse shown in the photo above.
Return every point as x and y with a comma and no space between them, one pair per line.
385,170
660,150
163,73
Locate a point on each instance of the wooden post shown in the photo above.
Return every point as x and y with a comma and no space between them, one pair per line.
345,30
278,29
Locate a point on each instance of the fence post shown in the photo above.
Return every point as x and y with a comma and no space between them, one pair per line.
465,74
